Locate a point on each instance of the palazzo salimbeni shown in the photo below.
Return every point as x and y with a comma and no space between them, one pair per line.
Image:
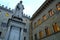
43,25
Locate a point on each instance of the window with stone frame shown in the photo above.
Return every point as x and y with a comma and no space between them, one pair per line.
41,34
56,27
47,30
51,12
39,22
44,17
58,6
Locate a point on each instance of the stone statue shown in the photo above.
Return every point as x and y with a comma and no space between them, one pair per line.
20,6
19,9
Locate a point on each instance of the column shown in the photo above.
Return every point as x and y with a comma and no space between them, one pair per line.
21,37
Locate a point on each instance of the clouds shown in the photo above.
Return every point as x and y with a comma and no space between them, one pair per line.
30,5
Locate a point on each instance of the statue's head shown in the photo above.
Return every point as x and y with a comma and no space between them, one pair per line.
20,1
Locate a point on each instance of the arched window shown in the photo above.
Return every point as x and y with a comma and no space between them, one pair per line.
44,17
41,34
58,6
51,12
47,30
39,22
56,27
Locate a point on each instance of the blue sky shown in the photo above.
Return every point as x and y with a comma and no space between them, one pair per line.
30,5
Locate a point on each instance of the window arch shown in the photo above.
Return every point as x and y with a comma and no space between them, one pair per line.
58,6
39,21
47,30
56,27
51,12
41,34
44,17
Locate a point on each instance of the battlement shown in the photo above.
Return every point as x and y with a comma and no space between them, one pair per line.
26,16
6,8
11,10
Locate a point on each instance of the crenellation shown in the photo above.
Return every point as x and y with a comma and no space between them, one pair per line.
29,16
9,8
23,14
6,7
12,9
3,6
26,15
